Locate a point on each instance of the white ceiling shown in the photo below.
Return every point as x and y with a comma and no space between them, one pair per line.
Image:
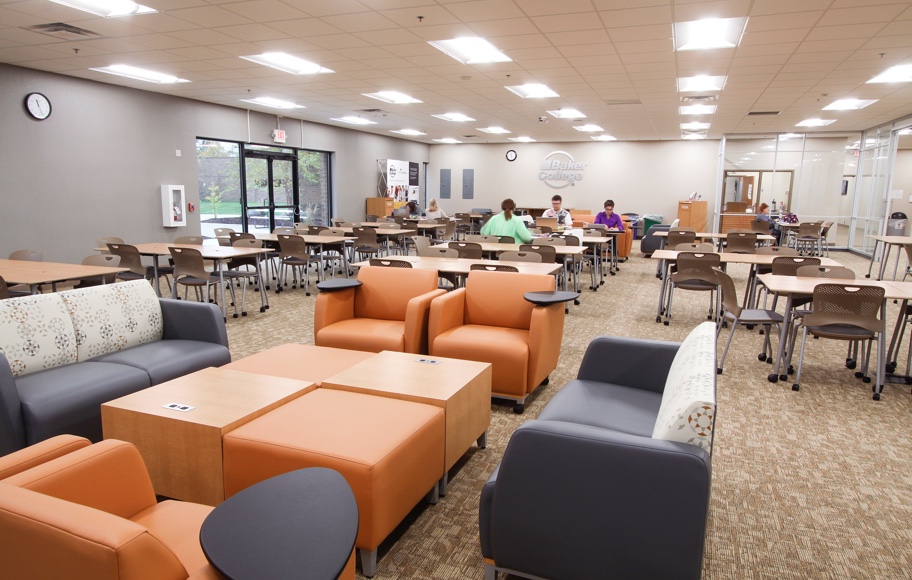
611,59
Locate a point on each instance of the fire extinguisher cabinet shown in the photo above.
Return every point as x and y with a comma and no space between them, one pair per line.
174,206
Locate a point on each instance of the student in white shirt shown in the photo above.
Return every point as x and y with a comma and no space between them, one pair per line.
434,211
562,215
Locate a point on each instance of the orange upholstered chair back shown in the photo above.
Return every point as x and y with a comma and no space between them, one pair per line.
385,292
496,298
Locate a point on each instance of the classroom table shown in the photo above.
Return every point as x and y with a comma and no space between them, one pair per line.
313,242
888,243
667,257
793,286
209,252
34,274
715,236
464,265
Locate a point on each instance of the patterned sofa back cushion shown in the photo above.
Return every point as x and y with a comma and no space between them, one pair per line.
688,409
36,333
113,317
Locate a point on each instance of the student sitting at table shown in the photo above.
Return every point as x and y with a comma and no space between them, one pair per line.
763,215
434,211
409,209
562,215
506,224
609,218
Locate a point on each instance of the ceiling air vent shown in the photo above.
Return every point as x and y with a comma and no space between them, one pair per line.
759,113
469,136
623,102
64,31
372,111
699,98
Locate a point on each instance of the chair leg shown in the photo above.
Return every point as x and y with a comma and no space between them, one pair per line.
797,385
368,562
727,344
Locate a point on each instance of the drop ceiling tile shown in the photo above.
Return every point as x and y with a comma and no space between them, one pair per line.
360,22
637,17
891,42
640,57
766,49
252,32
831,45
337,41
568,22
783,36
499,28
265,10
635,33
210,16
664,46
686,12
306,27
603,50
444,31
861,15
548,7
508,43
761,7
203,37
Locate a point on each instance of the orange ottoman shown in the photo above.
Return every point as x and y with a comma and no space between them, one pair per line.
389,451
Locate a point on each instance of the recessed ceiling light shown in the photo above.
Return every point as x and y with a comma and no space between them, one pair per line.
287,63
695,126
470,50
895,74
409,132
533,91
497,130
107,8
355,120
448,140
709,33
693,136
907,131
603,138
567,114
275,103
132,72
697,109
700,83
590,128
522,139
787,136
848,105
815,122
393,97
454,117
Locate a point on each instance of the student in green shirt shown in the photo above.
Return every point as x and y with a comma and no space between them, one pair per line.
506,224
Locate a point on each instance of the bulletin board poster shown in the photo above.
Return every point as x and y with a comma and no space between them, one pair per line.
397,179
413,182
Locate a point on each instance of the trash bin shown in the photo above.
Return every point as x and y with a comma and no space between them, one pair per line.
649,220
635,224
897,224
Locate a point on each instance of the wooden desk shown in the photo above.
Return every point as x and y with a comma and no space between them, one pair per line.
461,388
888,242
183,450
795,286
37,273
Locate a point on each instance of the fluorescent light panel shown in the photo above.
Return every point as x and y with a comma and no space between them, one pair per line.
522,139
848,105
354,120
567,114
393,97
697,110
815,122
107,8
287,63
470,50
603,138
454,117
140,74
709,33
409,132
590,128
448,140
495,130
532,91
693,136
701,83
695,126
274,103
895,74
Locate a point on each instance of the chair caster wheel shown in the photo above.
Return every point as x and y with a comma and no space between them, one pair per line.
851,364
858,374
307,294
262,309
665,323
613,273
783,377
518,408
243,314
658,319
891,368
796,387
866,380
235,315
769,360
867,275
719,371
749,326
876,396
773,378
602,283
761,357
576,302
791,370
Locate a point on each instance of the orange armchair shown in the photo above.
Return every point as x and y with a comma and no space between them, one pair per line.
490,321
389,311
89,511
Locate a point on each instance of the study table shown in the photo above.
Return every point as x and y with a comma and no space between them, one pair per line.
793,286
464,265
717,237
37,273
668,257
312,242
888,242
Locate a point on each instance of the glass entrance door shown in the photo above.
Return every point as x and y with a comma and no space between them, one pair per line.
271,192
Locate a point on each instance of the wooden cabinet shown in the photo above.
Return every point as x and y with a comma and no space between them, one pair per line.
736,221
692,214
381,206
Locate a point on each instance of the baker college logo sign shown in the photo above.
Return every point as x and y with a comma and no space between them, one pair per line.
559,169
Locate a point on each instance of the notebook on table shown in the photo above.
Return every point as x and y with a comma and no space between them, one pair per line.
549,222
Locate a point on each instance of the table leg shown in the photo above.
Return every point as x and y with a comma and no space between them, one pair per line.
783,337
896,265
883,260
873,258
218,264
155,285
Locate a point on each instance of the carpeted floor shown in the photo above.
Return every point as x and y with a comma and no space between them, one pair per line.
809,484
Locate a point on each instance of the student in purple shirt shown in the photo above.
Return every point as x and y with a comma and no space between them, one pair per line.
609,218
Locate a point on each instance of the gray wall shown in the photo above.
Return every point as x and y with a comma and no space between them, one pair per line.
95,167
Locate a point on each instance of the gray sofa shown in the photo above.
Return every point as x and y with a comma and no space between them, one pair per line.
613,478
651,242
64,354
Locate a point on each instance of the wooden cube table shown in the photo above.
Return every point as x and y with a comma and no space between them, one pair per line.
183,448
300,361
462,388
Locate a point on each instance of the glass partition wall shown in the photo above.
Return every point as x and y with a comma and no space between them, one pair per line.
805,175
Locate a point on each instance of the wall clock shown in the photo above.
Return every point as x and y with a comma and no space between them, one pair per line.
511,155
38,106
